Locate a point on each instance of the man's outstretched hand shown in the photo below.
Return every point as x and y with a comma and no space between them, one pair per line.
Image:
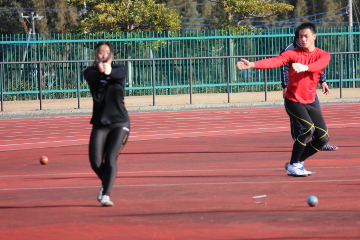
244,64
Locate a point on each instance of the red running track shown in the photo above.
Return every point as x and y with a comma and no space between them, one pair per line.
182,175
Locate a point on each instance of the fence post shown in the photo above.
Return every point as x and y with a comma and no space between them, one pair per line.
341,74
1,87
265,85
78,83
227,65
40,83
153,80
191,81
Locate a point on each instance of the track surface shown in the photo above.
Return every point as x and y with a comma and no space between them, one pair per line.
182,175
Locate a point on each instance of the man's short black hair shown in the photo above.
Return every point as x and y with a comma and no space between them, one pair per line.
306,25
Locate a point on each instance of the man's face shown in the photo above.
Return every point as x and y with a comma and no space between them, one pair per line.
306,38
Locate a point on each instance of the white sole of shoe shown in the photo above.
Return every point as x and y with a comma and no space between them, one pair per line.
108,204
295,175
309,174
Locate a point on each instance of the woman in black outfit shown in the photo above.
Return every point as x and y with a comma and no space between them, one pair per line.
110,119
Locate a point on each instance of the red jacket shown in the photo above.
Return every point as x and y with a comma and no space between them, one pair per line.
302,86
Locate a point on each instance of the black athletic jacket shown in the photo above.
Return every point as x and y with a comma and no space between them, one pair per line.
108,95
285,68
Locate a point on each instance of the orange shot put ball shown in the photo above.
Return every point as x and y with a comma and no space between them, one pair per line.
44,160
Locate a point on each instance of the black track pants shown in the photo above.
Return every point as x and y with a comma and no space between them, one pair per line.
296,127
105,145
310,117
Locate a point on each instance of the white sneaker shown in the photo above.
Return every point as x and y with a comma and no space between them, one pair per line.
105,201
288,163
296,170
100,194
306,171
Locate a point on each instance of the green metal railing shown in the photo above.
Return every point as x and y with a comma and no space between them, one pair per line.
170,61
188,84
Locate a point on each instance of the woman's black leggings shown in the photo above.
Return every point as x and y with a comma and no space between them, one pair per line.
311,118
105,145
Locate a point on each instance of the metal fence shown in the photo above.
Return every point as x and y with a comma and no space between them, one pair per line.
188,71
50,66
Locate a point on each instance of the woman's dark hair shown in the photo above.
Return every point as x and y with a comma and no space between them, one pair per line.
97,47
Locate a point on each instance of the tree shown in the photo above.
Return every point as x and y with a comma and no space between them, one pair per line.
188,11
330,16
58,17
10,16
63,18
325,13
299,10
238,10
126,16
208,10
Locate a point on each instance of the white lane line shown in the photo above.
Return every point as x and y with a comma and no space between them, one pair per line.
175,171
180,184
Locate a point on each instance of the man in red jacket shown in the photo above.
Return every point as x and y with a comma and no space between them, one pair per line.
295,126
307,64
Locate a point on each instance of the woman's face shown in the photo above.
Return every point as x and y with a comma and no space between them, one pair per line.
103,53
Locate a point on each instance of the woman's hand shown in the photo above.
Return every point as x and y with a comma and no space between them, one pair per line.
107,68
101,67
